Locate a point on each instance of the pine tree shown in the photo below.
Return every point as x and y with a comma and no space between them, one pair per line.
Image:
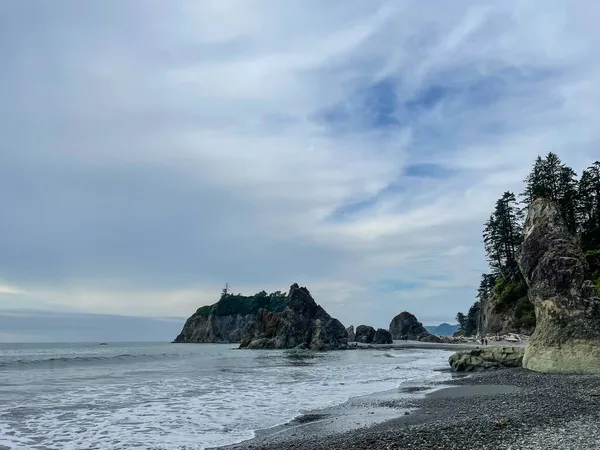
552,179
588,207
502,236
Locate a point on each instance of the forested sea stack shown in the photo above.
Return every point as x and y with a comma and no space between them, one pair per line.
302,324
224,321
567,335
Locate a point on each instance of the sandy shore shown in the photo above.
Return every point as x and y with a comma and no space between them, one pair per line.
511,409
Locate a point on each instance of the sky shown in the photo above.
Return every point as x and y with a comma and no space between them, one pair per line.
152,151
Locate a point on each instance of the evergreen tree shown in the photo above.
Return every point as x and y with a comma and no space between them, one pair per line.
502,236
588,211
552,179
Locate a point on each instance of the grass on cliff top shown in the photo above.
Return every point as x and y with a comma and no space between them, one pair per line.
241,304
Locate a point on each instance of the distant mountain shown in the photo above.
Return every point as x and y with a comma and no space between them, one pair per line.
444,329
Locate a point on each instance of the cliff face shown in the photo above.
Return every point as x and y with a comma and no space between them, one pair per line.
302,324
214,329
225,321
567,309
491,320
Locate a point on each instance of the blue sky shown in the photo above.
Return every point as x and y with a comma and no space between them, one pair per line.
152,151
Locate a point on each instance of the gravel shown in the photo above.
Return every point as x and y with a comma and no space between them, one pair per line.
547,411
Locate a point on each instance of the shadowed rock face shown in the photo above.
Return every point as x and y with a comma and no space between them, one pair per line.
214,329
365,334
302,324
382,337
567,335
351,335
406,324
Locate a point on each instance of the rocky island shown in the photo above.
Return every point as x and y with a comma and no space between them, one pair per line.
302,324
224,321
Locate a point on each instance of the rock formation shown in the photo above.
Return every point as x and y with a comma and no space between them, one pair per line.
486,358
406,324
567,334
224,321
365,334
302,324
382,337
351,334
214,329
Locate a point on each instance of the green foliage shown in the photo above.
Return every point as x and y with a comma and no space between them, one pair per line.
579,203
502,235
508,293
241,304
552,179
525,313
462,320
459,333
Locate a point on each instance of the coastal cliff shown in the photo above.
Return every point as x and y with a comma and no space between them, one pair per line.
567,307
224,321
302,324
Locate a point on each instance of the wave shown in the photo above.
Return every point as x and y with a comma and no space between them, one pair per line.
78,360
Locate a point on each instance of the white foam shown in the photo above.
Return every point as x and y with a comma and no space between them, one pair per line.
187,405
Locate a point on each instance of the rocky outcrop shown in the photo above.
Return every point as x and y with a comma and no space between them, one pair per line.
382,337
365,334
406,324
351,334
431,338
224,321
302,324
493,319
214,329
567,334
486,358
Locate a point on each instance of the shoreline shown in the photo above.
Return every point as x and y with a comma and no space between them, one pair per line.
502,409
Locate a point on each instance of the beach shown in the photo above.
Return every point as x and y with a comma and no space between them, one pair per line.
503,409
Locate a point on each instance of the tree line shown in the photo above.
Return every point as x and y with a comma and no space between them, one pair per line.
579,202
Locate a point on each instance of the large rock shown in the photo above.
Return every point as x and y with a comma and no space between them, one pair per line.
567,334
351,334
200,329
406,324
382,337
224,321
486,358
365,334
302,324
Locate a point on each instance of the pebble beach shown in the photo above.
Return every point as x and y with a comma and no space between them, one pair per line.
510,409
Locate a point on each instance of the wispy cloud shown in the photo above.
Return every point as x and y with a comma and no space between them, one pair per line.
152,151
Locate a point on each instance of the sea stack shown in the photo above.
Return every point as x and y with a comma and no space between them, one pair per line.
302,324
567,335
406,324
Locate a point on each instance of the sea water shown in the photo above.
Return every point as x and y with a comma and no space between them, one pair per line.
180,396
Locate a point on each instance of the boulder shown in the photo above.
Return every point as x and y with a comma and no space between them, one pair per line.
382,337
351,335
365,334
430,338
567,309
302,324
406,324
486,358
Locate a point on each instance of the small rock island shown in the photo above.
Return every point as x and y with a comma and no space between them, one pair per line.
302,324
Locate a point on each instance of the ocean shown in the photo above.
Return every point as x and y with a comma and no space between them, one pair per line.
181,396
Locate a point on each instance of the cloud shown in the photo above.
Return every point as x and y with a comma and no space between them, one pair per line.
153,151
